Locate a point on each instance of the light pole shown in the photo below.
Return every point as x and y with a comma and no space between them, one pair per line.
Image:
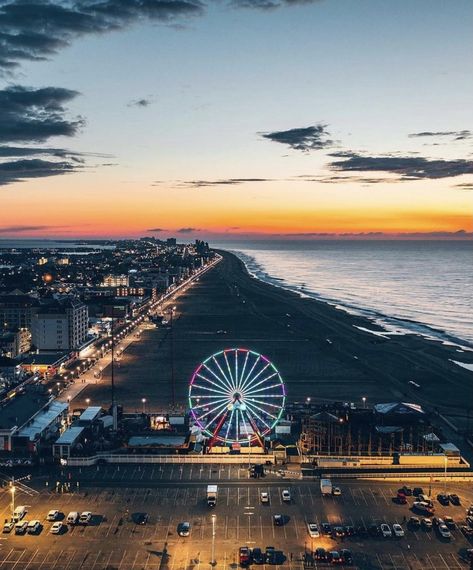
143,401
87,401
364,402
213,562
249,452
13,489
445,475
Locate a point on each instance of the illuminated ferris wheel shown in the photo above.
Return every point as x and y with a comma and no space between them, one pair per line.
236,396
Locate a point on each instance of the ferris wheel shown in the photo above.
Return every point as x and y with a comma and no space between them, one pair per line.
236,396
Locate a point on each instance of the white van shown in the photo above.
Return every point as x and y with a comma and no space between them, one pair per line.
19,513
73,517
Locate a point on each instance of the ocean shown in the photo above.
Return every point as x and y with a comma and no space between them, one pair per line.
404,286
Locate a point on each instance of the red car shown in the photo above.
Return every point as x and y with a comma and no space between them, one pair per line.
245,556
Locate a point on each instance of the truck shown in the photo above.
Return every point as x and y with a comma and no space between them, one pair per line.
326,486
212,491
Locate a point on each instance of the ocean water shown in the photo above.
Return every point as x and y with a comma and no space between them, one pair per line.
405,286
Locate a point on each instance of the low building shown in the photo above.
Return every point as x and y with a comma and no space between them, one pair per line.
44,425
68,441
116,281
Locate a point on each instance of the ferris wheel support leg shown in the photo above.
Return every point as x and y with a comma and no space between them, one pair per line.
217,429
256,432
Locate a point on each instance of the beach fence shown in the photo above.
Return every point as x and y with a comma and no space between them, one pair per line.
261,459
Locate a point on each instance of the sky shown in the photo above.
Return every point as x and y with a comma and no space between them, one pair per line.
236,118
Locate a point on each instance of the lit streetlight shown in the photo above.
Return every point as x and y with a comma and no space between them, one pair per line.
12,490
214,519
143,401
87,401
364,401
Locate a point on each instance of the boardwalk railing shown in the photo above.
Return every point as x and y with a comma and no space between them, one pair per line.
242,459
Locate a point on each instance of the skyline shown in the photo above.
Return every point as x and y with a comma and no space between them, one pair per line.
219,121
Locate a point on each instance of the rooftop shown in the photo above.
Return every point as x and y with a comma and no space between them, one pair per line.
70,436
90,414
22,407
43,419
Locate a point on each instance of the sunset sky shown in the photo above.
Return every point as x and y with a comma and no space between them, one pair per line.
235,118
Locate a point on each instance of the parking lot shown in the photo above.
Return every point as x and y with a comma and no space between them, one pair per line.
114,540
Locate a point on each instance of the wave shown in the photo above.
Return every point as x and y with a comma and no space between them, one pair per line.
389,324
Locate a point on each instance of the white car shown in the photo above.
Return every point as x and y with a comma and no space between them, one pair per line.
336,491
34,527
20,527
52,515
426,523
56,528
264,497
85,517
398,530
8,526
313,530
386,530
444,531
286,496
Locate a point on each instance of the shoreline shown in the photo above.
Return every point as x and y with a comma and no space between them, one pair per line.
386,323
318,349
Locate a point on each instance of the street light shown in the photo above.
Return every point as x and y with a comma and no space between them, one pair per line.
12,489
87,401
214,518
364,401
143,401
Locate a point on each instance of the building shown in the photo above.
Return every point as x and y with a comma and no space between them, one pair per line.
116,281
16,311
15,342
60,326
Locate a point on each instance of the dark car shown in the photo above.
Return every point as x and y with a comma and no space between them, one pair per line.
270,555
373,530
454,499
443,499
469,521
258,556
416,491
407,491
320,554
349,530
245,556
413,523
347,556
140,518
326,528
338,532
467,531
335,557
278,520
400,499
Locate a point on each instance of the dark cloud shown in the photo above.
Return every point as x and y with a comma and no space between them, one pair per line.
405,167
219,182
34,115
139,103
269,4
305,139
187,230
21,229
157,230
465,185
36,29
456,135
19,170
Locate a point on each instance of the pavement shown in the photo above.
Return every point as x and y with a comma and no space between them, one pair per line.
170,495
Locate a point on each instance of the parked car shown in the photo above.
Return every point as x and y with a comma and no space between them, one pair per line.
386,530
326,528
336,491
57,527
416,491
374,530
467,531
8,526
335,557
73,517
349,530
443,499
454,499
426,523
85,517
270,555
21,527
449,522
258,556
245,556
413,523
286,496
19,513
398,530
264,497
313,530
278,520
140,518
444,531
34,527
338,532
347,556
320,554
184,529
406,490
53,515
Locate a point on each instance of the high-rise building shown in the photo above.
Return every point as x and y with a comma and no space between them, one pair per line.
16,311
61,326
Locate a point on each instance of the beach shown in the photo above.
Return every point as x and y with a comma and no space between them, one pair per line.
322,352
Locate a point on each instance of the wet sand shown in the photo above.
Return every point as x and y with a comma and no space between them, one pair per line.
316,347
